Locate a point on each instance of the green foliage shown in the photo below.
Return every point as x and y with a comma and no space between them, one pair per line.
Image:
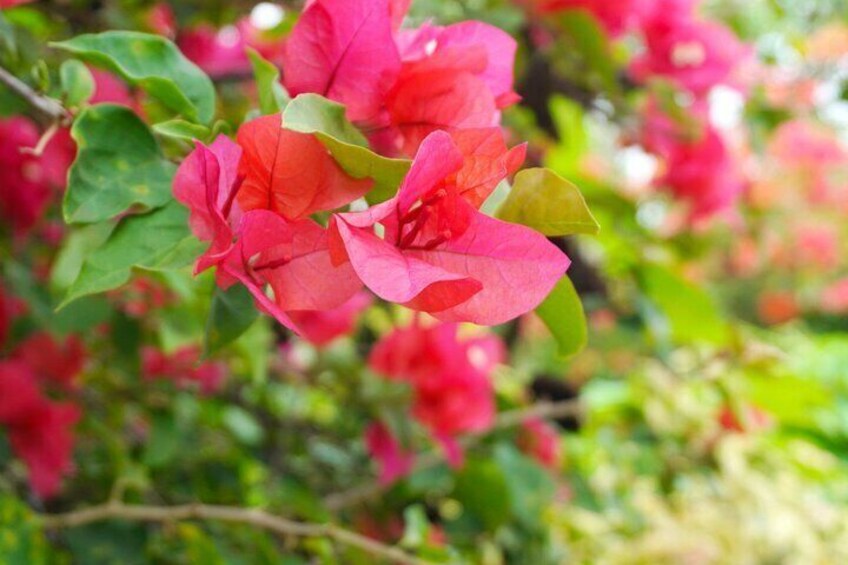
232,313
118,165
77,82
156,241
548,203
562,313
152,63
273,97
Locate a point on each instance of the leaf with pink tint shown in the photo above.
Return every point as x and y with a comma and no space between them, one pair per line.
291,173
343,49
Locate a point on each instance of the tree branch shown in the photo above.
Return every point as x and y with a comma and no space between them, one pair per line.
259,518
44,105
506,420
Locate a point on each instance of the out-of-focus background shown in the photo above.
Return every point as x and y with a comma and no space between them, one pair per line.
710,142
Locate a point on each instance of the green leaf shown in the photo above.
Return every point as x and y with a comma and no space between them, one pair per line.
181,129
77,82
243,425
568,117
231,315
544,201
118,165
21,539
562,313
159,240
584,35
531,488
691,314
152,63
310,113
483,490
273,97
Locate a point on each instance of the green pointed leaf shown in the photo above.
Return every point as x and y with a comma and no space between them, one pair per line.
544,201
273,97
118,165
310,113
158,241
231,315
562,313
691,314
152,63
77,82
181,129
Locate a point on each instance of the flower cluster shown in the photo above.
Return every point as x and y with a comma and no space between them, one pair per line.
452,391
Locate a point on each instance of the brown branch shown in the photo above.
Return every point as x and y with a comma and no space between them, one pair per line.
506,420
44,105
115,510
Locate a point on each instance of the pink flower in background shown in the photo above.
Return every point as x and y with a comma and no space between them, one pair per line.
834,298
438,253
540,440
54,362
323,327
817,245
219,52
183,366
696,55
452,391
39,430
394,462
615,16
160,19
13,3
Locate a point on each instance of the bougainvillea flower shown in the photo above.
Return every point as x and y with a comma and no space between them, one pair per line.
615,16
834,298
696,55
473,41
322,327
393,460
27,182
540,440
13,3
207,183
752,419
439,254
218,52
53,362
293,258
343,50
39,430
452,392
291,173
183,367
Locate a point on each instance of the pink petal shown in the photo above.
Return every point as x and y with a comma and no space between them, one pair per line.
322,327
517,267
394,461
437,158
343,50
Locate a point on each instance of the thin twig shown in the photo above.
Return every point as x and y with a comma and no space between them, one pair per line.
254,517
44,105
506,420
45,138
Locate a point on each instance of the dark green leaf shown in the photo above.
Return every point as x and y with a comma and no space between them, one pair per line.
231,315
159,240
152,63
483,490
118,165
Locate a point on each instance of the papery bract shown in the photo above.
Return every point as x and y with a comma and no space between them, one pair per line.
442,256
323,327
52,361
343,50
183,367
540,440
291,173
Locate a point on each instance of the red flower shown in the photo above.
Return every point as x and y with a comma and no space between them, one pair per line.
39,430
322,327
540,440
183,367
403,84
438,253
452,393
53,362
